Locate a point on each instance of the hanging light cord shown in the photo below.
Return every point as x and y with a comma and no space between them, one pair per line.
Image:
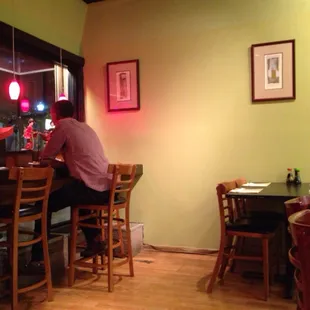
62,73
13,38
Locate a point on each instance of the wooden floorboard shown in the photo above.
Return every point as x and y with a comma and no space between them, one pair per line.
162,281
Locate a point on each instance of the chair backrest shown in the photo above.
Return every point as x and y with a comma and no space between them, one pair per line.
300,230
240,202
240,182
122,181
297,204
226,205
33,185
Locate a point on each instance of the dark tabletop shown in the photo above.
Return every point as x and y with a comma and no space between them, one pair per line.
276,190
61,177
8,187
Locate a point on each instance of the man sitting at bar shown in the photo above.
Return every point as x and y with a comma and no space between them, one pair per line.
87,164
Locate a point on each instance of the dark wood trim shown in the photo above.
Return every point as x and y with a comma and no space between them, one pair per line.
180,249
136,61
25,42
293,97
92,1
35,47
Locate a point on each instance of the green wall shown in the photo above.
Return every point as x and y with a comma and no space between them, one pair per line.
59,22
197,125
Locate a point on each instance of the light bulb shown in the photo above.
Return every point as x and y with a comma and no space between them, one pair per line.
62,96
40,107
24,105
14,90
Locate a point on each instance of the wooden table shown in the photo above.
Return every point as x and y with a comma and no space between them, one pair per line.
279,192
276,191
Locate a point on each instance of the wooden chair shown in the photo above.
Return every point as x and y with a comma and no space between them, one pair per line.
33,185
241,202
297,204
244,211
122,183
293,206
233,227
299,256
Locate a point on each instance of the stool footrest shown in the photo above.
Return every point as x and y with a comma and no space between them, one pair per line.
4,278
27,243
82,263
32,287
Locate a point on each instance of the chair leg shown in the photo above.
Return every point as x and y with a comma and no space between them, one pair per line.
110,251
229,254
102,238
216,266
129,246
14,264
74,222
47,264
238,250
266,267
120,235
95,261
10,248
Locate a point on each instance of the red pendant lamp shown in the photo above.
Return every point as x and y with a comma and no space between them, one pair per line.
14,88
62,95
25,105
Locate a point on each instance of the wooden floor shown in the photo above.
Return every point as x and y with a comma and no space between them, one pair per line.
162,281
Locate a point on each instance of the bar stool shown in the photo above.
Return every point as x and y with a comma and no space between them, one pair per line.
33,185
232,227
120,192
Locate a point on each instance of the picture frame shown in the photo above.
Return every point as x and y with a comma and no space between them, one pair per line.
123,92
273,71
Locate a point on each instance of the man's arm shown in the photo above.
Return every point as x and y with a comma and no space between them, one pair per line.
54,145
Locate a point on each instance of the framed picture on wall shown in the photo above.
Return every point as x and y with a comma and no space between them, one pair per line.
273,71
123,85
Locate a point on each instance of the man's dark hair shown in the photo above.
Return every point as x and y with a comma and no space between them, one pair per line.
63,108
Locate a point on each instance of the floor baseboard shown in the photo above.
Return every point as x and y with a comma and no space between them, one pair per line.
178,249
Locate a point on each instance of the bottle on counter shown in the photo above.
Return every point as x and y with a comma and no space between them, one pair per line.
297,179
290,177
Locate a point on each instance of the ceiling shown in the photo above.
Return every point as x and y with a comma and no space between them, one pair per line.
24,64
92,1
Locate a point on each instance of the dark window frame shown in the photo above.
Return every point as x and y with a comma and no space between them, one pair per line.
35,47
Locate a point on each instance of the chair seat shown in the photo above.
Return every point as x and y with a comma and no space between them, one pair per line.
119,200
265,215
25,210
247,225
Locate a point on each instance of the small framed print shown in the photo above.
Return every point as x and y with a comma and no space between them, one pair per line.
273,71
123,85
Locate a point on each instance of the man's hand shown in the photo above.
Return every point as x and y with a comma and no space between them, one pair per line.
52,163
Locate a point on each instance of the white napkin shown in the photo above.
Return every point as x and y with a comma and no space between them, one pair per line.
256,184
246,190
